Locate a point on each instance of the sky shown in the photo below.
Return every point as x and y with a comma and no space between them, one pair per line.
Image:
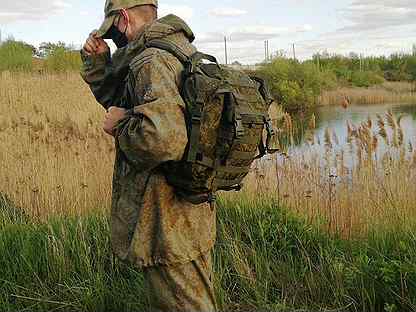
368,27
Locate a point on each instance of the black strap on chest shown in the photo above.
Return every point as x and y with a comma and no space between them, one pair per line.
170,47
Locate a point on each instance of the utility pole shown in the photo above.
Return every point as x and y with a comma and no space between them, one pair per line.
268,51
265,51
318,59
226,51
267,57
294,52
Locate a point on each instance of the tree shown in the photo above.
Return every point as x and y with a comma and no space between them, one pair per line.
47,48
411,67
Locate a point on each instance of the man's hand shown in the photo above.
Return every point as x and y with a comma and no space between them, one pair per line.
95,45
113,116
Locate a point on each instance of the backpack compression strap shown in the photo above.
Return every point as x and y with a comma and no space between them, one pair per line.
195,111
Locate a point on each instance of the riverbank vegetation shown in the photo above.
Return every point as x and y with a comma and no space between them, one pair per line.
333,79
352,187
389,92
330,228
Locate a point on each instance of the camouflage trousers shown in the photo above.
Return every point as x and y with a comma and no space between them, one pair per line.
183,288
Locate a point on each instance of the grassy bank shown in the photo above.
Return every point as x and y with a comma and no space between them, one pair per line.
64,265
265,259
388,92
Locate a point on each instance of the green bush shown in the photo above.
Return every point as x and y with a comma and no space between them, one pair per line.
365,79
62,60
15,56
296,86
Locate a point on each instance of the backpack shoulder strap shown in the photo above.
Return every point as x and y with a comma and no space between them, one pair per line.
187,61
170,47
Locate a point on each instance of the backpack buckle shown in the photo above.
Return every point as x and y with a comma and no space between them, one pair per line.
196,119
239,128
269,126
212,198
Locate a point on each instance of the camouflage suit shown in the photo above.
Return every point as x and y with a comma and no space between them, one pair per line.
151,226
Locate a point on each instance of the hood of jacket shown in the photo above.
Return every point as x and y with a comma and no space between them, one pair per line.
166,26
170,27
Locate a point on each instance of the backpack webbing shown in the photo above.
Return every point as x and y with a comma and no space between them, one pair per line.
220,174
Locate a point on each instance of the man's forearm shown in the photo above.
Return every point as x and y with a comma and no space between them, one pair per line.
105,81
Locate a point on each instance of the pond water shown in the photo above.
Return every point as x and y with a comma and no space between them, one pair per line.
336,118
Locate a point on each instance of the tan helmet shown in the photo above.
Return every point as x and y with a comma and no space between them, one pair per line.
111,9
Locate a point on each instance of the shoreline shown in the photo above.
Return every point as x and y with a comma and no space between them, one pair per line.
388,92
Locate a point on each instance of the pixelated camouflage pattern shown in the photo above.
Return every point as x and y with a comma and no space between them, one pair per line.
150,224
187,287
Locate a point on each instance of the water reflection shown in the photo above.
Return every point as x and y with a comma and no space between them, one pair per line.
336,118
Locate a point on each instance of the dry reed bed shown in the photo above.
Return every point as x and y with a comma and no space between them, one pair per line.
54,158
389,92
366,184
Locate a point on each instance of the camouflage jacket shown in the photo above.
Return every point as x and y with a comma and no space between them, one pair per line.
150,224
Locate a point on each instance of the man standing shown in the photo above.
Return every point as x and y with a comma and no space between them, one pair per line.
152,227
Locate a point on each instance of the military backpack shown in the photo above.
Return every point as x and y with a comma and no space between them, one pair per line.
226,114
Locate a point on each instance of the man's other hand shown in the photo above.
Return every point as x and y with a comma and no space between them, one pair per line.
95,45
113,116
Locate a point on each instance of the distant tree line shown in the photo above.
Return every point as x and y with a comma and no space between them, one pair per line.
298,85
396,67
21,56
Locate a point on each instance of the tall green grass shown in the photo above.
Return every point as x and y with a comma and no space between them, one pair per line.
62,60
265,259
64,265
15,56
